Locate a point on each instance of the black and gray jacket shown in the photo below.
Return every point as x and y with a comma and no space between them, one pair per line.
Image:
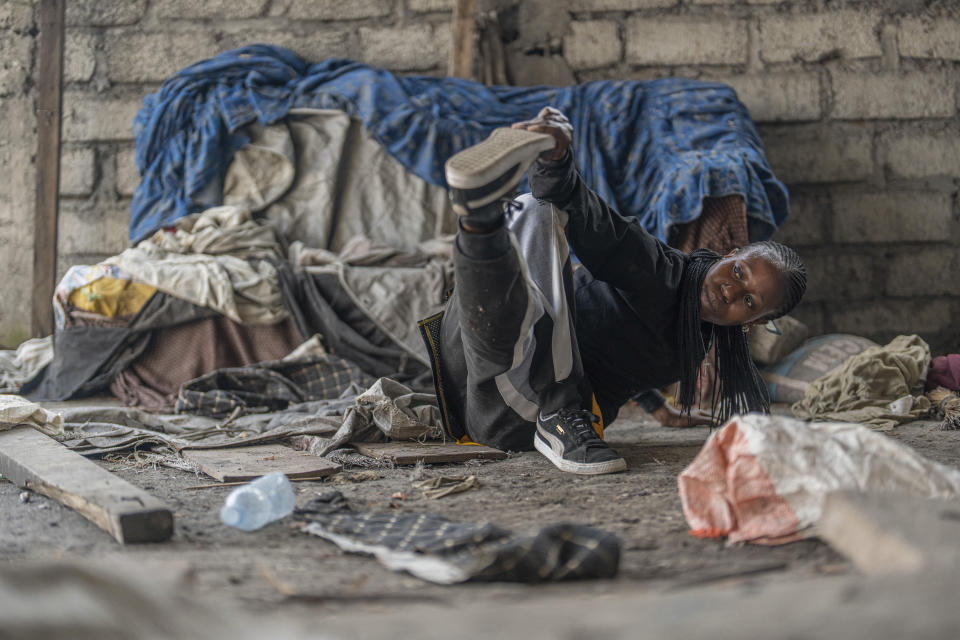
627,296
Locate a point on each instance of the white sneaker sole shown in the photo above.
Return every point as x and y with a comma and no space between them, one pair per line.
581,468
487,161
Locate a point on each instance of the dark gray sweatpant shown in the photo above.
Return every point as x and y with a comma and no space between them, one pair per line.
508,340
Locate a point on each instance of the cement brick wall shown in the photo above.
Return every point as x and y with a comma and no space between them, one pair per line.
856,103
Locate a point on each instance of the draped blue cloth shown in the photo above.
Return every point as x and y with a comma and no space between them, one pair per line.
651,149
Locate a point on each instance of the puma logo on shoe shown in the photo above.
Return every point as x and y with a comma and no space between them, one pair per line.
568,440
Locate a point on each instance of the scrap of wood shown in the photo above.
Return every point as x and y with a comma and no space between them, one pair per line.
37,462
237,484
239,464
431,452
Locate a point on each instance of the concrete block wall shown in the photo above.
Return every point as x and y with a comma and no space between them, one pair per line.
856,102
857,105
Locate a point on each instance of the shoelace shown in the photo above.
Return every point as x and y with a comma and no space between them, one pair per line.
580,422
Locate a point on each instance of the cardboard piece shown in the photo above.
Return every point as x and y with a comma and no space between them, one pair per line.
238,464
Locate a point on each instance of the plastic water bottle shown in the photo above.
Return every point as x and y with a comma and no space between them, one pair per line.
264,500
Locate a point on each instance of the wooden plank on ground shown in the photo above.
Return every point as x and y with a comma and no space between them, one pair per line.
239,464
430,452
891,533
49,101
37,462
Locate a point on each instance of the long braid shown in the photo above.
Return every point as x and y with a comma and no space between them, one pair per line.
739,388
691,343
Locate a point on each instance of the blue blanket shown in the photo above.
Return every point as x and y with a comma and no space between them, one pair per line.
652,149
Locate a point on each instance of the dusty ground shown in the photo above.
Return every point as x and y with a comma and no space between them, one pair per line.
281,569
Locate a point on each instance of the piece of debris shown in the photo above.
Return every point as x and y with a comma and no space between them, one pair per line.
946,405
350,478
240,464
24,497
441,486
38,462
418,471
348,457
890,533
404,453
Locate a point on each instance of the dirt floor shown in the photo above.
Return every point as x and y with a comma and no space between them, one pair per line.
280,569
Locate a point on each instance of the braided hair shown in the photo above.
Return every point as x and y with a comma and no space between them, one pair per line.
738,386
791,269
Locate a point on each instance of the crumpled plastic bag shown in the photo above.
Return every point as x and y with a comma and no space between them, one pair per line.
17,410
764,478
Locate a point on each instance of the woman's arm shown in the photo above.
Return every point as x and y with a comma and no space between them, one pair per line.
667,415
613,248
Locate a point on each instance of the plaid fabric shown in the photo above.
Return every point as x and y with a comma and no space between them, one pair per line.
422,542
269,386
721,227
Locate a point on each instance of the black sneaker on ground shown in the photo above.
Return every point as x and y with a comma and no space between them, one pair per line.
568,440
489,170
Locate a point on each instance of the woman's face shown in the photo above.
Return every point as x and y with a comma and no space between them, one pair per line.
741,288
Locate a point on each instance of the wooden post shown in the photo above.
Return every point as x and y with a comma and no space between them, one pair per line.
464,34
49,102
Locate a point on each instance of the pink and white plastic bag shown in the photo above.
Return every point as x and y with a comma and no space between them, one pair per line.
763,478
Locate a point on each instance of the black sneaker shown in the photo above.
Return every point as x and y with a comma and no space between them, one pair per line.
568,440
489,170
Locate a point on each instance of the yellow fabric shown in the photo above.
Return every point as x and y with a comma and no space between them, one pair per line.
111,297
465,440
598,425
